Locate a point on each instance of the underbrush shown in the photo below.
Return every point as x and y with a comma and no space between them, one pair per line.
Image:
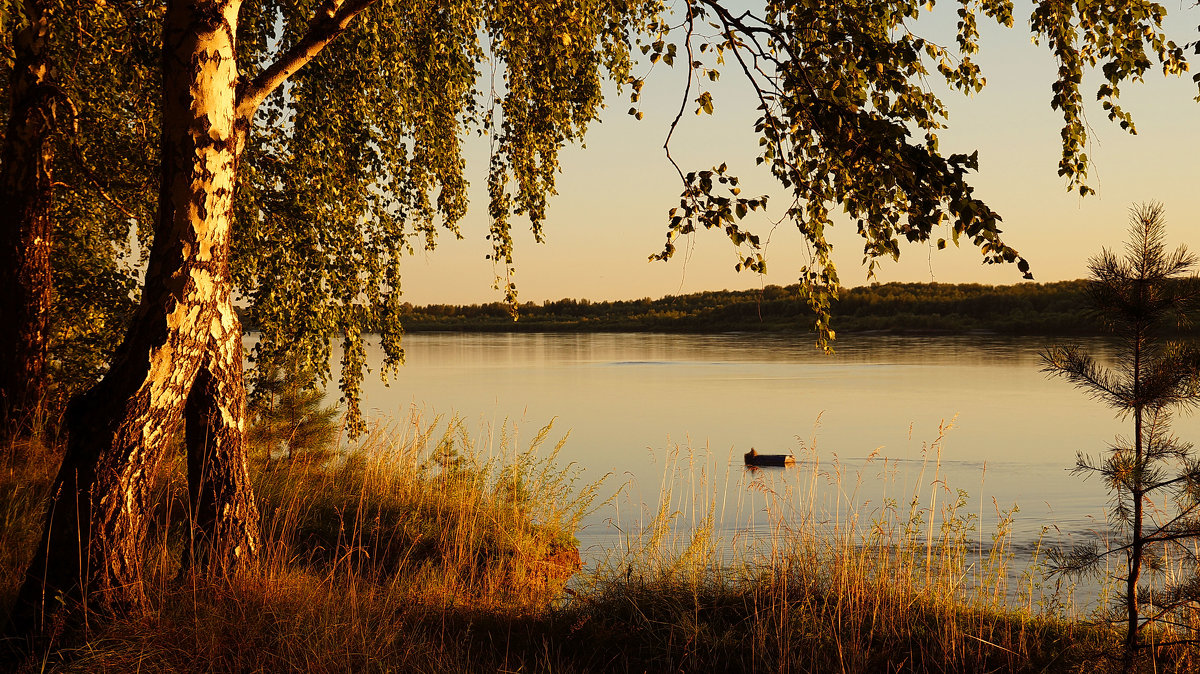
423,551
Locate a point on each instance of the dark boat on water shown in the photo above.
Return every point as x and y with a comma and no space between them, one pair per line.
753,458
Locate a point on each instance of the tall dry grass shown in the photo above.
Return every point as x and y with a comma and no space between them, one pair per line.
412,529
436,517
27,468
425,550
799,570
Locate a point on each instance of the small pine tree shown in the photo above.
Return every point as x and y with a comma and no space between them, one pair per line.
1139,297
288,421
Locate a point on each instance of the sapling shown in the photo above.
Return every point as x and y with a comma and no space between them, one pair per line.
1142,298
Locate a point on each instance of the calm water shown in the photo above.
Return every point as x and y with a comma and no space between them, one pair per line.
632,401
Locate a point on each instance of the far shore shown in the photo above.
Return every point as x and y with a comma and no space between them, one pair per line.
917,309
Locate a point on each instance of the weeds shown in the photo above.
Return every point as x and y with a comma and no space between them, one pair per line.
422,550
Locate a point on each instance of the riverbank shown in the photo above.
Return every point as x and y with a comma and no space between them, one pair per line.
891,308
430,556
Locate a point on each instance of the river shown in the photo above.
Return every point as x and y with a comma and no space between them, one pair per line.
882,422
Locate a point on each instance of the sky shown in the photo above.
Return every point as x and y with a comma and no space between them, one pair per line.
611,211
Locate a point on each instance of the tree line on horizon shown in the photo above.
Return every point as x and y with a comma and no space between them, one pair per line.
1058,308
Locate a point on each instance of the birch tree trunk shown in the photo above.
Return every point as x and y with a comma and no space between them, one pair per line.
26,227
223,511
92,549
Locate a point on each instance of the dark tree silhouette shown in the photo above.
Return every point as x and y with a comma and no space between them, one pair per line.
1138,297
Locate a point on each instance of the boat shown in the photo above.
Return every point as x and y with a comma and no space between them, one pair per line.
753,458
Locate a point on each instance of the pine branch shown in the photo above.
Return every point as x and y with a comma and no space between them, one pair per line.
1084,372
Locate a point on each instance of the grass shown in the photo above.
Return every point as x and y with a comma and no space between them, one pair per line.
424,551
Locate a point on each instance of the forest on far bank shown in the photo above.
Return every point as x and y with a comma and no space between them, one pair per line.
1058,308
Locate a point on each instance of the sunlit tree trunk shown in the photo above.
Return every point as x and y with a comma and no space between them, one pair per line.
224,514
92,549
25,226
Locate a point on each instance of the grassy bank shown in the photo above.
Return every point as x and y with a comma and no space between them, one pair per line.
426,551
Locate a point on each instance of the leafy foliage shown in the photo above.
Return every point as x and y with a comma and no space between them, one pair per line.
1138,296
840,90
847,119
1083,35
359,161
93,304
105,61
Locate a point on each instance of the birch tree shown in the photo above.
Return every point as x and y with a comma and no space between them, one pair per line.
181,359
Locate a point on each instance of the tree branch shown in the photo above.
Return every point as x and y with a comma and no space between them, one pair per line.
331,20
687,91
